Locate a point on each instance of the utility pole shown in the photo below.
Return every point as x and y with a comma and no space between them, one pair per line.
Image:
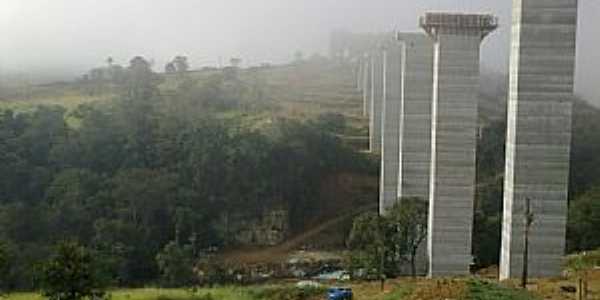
382,253
528,220
381,269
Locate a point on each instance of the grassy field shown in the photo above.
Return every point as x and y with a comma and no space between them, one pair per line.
225,293
401,289
66,95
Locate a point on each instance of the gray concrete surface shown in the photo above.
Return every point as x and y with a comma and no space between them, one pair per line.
539,134
366,85
415,133
359,72
457,40
390,153
376,101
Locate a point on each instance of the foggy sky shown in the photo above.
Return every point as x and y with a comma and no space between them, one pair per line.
71,36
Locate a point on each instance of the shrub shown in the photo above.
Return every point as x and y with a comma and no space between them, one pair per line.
287,293
71,275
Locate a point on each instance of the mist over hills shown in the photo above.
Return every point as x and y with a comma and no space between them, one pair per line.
58,40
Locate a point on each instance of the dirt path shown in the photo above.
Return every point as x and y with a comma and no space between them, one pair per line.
279,253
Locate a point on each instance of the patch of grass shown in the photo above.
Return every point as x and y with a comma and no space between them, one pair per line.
22,296
399,292
484,290
221,293
286,293
69,101
445,288
395,289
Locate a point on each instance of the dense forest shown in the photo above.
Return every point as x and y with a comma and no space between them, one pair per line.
171,157
129,176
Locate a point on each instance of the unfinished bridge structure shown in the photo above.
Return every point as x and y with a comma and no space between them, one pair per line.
420,92
538,142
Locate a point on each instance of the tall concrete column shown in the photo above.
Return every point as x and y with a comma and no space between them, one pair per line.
415,130
457,40
359,74
539,134
366,85
376,101
415,133
392,97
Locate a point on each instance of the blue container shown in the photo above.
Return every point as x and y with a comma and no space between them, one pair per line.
339,294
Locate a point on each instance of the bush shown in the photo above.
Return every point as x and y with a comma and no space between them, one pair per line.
332,122
287,293
176,265
71,275
3,265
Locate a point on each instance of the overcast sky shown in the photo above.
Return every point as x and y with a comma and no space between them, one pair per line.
42,36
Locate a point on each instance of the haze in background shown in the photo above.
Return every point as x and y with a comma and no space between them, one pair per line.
60,39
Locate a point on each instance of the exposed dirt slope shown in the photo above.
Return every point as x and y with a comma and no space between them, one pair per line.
279,253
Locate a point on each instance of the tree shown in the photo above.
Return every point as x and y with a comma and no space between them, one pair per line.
367,241
70,275
142,82
170,68
382,243
3,265
71,199
409,218
139,113
332,122
3,256
176,264
181,64
584,221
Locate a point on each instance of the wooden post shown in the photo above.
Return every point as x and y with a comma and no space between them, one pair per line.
580,289
585,285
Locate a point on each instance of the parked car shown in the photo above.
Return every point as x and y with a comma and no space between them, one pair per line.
337,293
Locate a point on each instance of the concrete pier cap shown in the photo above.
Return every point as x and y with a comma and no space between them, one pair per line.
435,22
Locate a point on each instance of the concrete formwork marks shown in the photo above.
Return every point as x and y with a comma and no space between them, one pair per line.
366,86
454,137
539,134
453,172
390,153
359,74
376,110
415,132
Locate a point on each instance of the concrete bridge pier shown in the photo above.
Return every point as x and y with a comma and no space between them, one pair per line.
376,101
457,39
359,70
415,119
392,104
366,85
539,135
